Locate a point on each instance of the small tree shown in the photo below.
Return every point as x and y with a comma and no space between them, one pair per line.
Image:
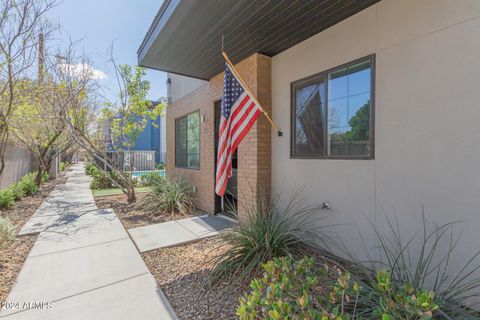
126,118
45,134
122,120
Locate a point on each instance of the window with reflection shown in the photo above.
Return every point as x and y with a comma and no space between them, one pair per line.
333,113
187,141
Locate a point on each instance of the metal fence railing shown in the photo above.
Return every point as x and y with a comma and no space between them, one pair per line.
135,160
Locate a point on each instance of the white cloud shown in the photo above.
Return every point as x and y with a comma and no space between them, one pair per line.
81,70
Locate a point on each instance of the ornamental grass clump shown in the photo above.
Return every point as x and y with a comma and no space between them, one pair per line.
172,196
265,231
7,232
424,262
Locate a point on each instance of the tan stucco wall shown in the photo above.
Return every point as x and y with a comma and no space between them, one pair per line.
182,85
427,111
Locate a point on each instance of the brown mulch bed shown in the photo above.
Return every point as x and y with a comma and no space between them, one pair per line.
13,257
133,215
182,274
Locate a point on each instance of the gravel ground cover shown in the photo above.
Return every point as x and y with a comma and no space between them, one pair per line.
133,215
182,274
13,257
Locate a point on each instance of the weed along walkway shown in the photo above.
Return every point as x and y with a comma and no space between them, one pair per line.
84,264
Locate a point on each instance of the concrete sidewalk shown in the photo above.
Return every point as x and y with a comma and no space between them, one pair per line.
177,232
83,265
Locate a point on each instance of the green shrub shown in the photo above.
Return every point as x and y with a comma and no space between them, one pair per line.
63,165
299,289
151,178
265,231
286,291
17,190
7,232
160,166
45,177
170,196
100,180
28,184
7,198
91,168
404,302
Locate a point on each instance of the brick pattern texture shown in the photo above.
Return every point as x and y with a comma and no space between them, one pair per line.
254,152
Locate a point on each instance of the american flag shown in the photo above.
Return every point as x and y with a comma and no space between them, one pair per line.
239,112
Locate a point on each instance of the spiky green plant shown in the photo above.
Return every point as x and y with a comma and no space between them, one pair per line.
425,263
265,231
170,196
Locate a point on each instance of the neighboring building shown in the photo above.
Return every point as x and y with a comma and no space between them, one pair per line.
151,145
377,101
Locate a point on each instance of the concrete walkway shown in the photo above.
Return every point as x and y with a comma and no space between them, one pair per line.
83,265
177,232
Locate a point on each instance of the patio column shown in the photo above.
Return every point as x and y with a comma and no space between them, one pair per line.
254,152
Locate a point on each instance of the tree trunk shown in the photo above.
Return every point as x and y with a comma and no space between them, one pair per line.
131,197
3,147
38,178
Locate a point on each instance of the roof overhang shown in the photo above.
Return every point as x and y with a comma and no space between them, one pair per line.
186,35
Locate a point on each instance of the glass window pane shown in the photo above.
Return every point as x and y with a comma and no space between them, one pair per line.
193,161
349,116
180,142
187,141
309,119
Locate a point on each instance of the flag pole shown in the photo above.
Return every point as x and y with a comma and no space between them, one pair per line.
234,70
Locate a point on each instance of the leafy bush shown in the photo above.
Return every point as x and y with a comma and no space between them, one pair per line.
298,289
101,180
286,291
63,165
404,302
7,198
28,184
7,232
91,169
17,190
170,196
151,178
264,232
45,177
160,166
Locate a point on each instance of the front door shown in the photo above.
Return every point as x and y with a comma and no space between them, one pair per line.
228,204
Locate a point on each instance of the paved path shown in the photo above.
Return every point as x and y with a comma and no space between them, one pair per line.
174,233
83,265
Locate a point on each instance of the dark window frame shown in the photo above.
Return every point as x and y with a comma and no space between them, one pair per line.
324,75
186,139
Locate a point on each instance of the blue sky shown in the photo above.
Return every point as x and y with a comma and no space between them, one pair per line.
103,22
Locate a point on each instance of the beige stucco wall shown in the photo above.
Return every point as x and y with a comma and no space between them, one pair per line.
182,86
427,110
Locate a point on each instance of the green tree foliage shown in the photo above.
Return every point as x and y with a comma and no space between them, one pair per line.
46,134
126,119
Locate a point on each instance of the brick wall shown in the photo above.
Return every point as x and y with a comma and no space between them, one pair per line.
254,152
